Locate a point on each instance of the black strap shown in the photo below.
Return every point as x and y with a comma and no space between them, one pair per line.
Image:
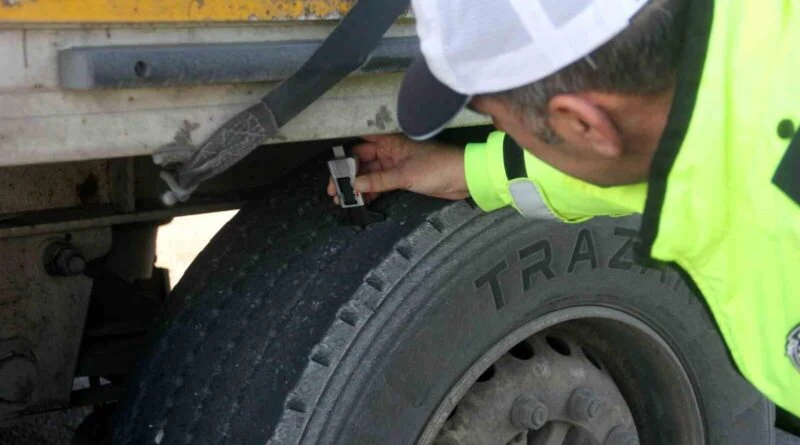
787,177
345,50
514,159
699,17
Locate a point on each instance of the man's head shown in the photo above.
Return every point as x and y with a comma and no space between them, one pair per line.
598,117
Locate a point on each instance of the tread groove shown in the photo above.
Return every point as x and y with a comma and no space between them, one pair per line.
169,405
218,368
437,223
348,315
259,359
375,282
405,250
296,405
321,356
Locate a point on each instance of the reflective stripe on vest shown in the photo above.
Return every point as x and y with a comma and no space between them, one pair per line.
525,194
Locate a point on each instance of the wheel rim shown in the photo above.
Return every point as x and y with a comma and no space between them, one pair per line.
582,375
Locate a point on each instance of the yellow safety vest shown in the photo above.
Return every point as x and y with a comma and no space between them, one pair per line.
723,198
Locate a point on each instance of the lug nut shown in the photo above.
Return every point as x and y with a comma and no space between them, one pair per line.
529,413
584,405
63,259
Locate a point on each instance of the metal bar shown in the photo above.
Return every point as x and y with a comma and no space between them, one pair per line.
58,225
87,68
168,11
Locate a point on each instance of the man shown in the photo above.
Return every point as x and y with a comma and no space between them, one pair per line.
684,111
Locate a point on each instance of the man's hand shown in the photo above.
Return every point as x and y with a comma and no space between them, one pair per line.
394,162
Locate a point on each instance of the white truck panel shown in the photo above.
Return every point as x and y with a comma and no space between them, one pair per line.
39,122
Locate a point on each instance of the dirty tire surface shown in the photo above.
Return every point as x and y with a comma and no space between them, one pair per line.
299,328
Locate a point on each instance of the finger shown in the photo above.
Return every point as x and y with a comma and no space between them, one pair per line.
336,200
379,181
366,152
331,188
369,197
369,167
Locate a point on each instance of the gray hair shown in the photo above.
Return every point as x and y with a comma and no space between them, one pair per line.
642,60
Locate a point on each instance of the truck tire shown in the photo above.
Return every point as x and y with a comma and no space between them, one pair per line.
298,328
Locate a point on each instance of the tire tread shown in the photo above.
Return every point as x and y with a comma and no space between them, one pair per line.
275,241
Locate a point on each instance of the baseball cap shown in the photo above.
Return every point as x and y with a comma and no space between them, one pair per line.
474,47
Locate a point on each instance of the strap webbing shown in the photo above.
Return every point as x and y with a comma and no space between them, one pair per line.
514,159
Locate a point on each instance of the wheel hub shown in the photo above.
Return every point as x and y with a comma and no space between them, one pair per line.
546,390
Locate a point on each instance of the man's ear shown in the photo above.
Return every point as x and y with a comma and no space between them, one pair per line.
584,124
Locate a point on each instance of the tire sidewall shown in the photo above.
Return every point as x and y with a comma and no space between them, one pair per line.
488,278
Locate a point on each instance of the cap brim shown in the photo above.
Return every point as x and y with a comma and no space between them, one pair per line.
425,105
